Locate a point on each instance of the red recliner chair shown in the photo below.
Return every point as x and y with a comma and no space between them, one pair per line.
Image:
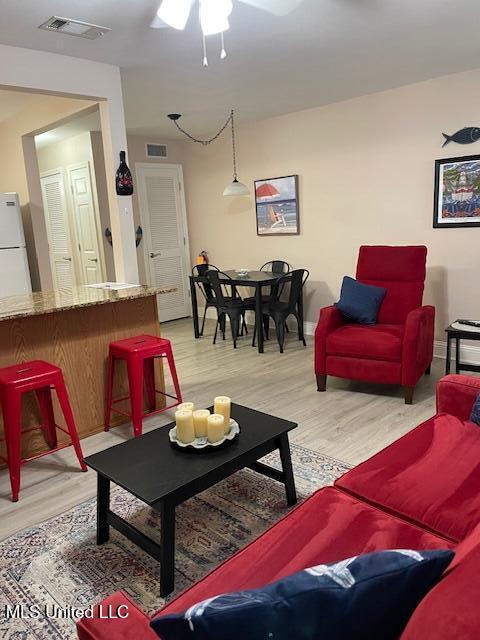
396,350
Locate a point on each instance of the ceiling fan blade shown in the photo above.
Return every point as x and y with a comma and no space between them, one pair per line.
172,13
277,7
156,23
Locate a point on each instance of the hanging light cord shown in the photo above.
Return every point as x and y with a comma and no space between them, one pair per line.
210,140
233,148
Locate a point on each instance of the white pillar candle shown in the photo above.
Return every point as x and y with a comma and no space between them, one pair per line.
185,406
185,430
200,422
215,427
222,406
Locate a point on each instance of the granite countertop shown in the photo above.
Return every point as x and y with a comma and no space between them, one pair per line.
43,302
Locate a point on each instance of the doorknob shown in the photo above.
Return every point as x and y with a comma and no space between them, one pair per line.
68,259
93,259
154,255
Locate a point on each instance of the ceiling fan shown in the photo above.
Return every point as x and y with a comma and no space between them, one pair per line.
213,15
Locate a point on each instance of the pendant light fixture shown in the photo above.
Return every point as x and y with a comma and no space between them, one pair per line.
234,188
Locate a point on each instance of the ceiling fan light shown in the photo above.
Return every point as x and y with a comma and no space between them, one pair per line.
175,12
214,16
236,188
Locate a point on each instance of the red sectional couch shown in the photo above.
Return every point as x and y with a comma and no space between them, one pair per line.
421,492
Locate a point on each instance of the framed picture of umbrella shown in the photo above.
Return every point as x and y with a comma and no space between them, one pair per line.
276,203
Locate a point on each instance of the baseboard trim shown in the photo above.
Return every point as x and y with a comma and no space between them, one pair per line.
469,354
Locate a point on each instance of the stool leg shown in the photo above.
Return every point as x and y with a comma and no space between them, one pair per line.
173,373
44,398
149,377
135,382
62,394
110,379
12,417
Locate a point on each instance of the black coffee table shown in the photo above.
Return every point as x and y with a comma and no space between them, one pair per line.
163,476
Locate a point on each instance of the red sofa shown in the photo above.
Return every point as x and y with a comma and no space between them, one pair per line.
396,350
421,492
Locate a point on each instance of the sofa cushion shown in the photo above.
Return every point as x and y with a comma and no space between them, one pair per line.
363,597
328,526
475,415
360,302
450,610
431,476
376,342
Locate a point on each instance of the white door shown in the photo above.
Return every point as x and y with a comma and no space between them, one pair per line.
162,209
84,219
58,230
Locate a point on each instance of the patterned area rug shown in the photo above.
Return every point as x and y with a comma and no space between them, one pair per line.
59,563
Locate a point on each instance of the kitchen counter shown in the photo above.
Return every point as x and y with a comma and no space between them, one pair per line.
73,329
41,302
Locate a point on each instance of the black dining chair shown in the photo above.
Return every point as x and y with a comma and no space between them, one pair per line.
285,298
276,267
233,307
206,288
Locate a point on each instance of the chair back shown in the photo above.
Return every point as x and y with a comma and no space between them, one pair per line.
401,271
276,266
288,288
219,290
204,286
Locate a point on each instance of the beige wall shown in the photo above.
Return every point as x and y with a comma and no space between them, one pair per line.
366,169
13,176
137,153
45,72
84,147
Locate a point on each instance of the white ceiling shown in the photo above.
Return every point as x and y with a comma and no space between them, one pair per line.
326,50
81,124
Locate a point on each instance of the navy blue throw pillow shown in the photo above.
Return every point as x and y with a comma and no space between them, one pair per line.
360,302
475,415
362,598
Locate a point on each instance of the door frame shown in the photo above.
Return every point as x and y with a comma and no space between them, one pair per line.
72,233
85,164
183,212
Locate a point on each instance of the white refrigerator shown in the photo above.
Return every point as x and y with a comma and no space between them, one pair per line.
14,271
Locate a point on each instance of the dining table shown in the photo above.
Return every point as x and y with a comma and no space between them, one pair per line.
257,280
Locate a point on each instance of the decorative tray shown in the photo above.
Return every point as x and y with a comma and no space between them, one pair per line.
200,444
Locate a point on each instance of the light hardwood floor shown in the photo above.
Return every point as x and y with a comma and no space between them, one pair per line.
350,422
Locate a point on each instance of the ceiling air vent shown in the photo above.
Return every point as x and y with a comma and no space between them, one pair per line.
154,150
74,28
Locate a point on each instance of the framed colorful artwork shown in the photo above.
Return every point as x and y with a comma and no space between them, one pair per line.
457,193
276,204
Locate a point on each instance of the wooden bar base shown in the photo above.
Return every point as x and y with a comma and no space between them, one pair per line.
77,341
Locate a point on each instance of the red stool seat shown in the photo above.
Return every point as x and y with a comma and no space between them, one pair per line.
40,377
139,353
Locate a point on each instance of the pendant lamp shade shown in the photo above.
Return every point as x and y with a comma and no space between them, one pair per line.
236,188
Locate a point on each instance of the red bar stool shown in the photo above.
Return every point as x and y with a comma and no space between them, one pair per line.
40,377
139,353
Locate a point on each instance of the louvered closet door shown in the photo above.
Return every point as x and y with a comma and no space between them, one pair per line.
56,219
161,204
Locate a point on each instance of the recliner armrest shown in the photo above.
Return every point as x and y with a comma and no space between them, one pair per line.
417,344
456,394
329,319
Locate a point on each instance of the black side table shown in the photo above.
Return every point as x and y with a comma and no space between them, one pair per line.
457,334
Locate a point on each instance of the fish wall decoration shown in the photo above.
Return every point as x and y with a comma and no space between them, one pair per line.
467,135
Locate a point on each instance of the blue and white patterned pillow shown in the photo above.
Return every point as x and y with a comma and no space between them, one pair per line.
363,598
475,415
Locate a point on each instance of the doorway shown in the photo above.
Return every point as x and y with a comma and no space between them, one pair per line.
166,251
72,226
71,185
